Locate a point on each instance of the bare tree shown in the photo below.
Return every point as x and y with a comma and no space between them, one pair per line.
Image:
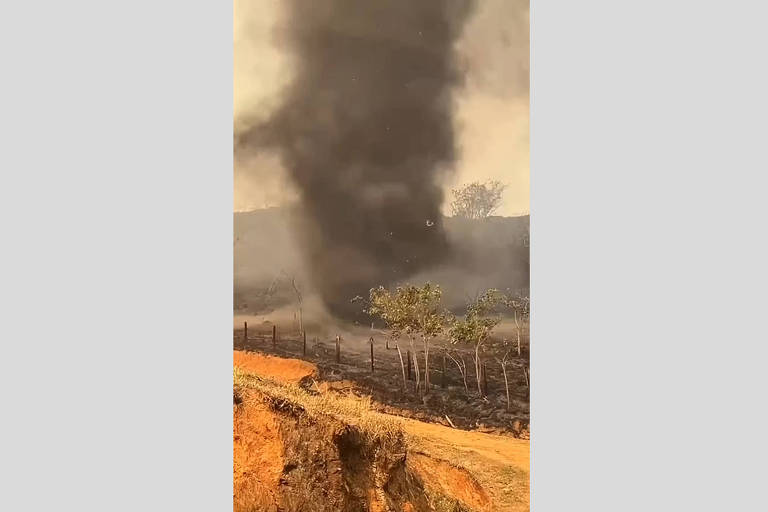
299,300
477,200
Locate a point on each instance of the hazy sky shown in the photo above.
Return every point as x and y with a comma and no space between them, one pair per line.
492,110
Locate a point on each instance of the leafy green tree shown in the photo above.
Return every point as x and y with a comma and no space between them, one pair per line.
476,326
415,312
521,311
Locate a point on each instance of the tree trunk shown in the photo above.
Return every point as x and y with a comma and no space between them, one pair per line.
426,365
462,366
402,366
416,371
478,371
301,320
416,374
506,382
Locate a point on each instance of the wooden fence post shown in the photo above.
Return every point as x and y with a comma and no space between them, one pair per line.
304,344
245,332
338,349
371,354
274,335
485,379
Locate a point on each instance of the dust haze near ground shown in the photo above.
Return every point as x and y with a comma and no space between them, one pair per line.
488,253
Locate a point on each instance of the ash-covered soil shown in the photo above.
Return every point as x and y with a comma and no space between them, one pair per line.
446,403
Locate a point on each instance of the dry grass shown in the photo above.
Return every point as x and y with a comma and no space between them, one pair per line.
351,410
499,464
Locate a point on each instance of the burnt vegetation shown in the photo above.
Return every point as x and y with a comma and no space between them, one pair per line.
430,364
441,354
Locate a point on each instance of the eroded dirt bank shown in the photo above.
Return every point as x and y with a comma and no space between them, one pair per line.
304,449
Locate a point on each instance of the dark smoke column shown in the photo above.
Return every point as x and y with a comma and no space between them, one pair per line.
365,129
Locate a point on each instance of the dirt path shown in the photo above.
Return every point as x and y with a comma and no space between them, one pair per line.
500,464
502,449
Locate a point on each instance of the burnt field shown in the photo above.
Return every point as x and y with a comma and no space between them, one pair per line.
446,401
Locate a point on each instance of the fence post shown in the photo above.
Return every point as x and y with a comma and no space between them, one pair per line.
408,353
371,354
338,349
485,379
245,332
274,335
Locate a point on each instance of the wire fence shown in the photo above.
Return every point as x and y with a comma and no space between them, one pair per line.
379,354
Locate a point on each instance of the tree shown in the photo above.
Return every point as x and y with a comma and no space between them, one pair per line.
476,327
458,359
415,312
521,310
504,361
299,300
393,312
477,200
